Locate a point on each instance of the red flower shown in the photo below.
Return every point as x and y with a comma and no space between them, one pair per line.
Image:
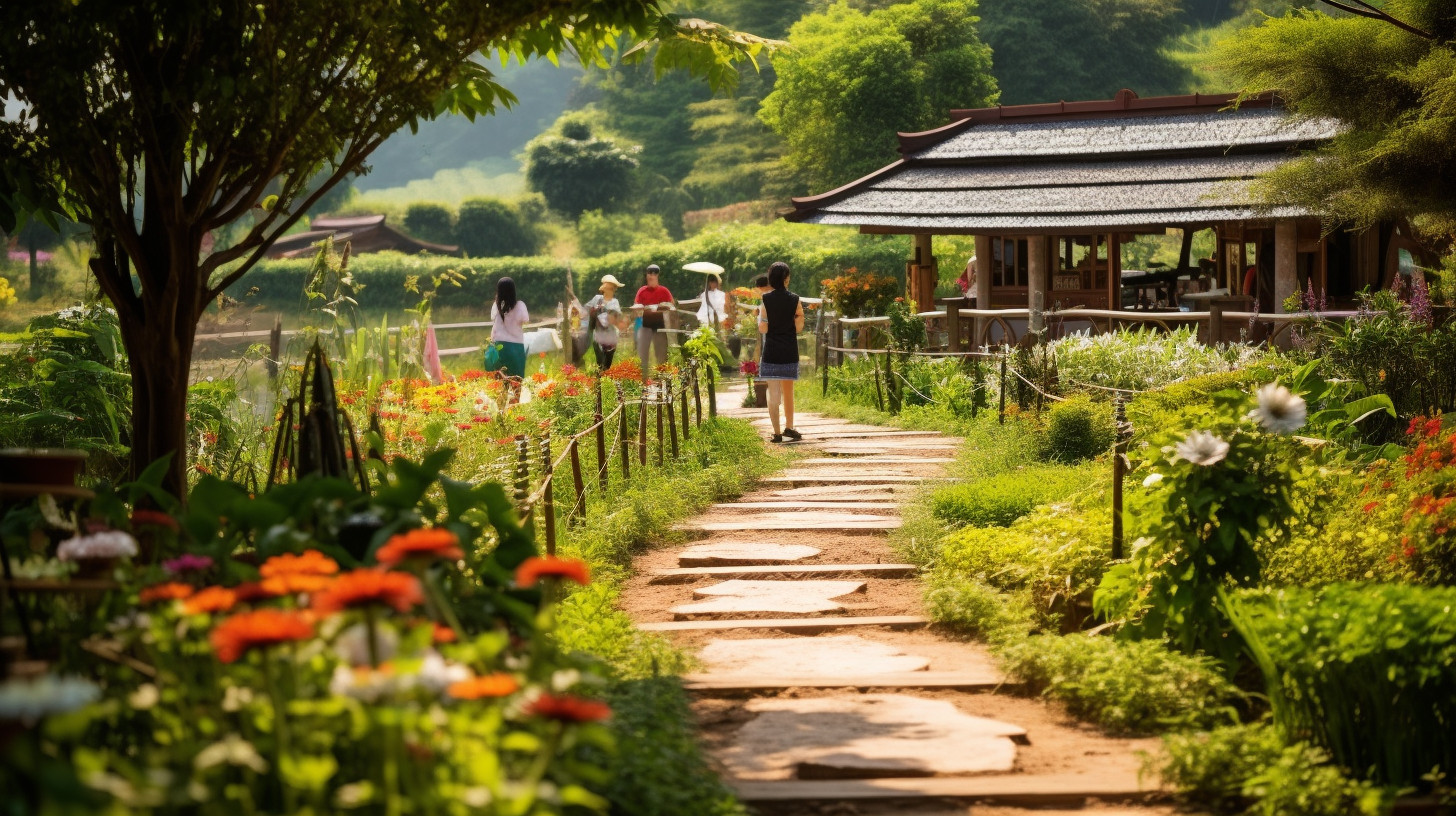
153,518
426,545
365,587
166,592
243,632
210,600
567,708
1371,506
491,685
533,569
443,634
286,574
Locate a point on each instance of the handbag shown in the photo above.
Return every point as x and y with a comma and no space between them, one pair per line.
493,356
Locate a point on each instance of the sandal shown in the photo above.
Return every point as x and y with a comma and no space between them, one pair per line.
793,434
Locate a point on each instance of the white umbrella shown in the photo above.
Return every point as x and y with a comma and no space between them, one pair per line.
704,268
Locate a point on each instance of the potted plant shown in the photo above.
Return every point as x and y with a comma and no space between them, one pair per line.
757,391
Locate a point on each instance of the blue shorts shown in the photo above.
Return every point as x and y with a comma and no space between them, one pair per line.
778,371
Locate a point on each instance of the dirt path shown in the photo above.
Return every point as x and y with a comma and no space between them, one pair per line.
820,688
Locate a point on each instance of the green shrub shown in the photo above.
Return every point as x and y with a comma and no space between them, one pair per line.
997,501
600,234
430,221
1249,769
969,607
1124,686
1078,429
1365,671
489,228
1144,359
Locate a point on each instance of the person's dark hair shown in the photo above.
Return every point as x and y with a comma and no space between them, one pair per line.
505,296
778,273
761,281
651,269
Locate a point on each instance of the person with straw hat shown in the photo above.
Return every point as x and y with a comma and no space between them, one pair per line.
604,313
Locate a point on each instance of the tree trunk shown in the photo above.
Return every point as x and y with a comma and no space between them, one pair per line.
37,285
161,361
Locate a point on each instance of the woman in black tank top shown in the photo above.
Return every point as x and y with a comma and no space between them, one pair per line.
780,318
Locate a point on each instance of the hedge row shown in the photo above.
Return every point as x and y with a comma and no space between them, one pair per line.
813,253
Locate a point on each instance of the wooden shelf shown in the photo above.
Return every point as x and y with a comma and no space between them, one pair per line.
51,585
30,491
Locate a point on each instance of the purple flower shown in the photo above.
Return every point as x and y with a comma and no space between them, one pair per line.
1420,299
187,562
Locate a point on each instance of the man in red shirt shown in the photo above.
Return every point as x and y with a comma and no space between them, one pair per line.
653,302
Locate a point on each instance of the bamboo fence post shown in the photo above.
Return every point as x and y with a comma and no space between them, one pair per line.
879,397
671,406
623,437
1119,470
698,392
683,387
578,509
1002,418
661,439
642,430
523,480
548,496
602,462
712,392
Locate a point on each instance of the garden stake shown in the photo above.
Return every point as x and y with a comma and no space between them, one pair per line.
1119,469
879,398
642,430
622,435
601,424
578,509
683,386
661,442
1002,418
713,392
548,507
824,376
523,480
672,421
697,395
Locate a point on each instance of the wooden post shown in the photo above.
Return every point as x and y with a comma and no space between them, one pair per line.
623,436
642,430
657,398
578,509
523,480
892,392
698,393
601,424
953,324
548,496
682,384
1002,418
1286,261
1119,469
1215,323
879,398
275,350
670,406
839,338
568,343
712,392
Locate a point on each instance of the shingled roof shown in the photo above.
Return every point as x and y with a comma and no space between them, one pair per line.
1125,163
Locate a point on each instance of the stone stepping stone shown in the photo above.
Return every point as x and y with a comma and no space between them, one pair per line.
784,597
867,736
803,478
790,624
803,520
839,492
807,656
710,685
879,459
882,433
792,505
1072,790
743,553
791,572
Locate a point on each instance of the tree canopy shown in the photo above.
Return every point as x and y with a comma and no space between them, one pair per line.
1056,50
157,122
851,79
577,170
1394,91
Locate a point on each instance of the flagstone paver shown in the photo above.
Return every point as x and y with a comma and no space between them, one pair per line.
753,597
743,553
806,656
792,520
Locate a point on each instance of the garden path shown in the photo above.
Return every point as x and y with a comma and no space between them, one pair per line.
822,688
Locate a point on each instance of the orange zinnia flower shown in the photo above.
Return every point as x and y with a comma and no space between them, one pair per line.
166,592
491,685
422,544
286,574
567,708
240,633
363,587
533,569
443,634
210,600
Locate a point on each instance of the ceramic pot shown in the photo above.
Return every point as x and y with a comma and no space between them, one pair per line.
760,394
41,466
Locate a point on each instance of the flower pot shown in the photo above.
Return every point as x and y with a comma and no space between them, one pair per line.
41,466
760,395
95,568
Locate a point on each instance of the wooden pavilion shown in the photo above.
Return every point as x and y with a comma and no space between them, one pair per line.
1052,191
365,233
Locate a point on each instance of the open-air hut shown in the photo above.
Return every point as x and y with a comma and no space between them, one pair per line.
1052,191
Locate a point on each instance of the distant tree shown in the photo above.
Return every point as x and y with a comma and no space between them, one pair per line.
738,157
489,227
577,171
35,237
157,122
1391,88
599,233
430,221
850,80
1066,50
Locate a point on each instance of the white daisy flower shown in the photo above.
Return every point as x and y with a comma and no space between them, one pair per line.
1280,410
1202,448
1152,479
105,544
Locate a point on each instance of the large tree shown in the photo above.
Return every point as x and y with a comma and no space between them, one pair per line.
1391,80
850,80
156,122
1055,50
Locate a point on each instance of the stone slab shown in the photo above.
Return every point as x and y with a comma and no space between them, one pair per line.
883,433
790,624
743,553
791,505
879,459
867,736
785,597
802,520
840,492
803,479
786,571
806,656
959,680
1027,790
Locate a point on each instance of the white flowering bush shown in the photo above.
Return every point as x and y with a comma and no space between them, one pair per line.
1144,359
